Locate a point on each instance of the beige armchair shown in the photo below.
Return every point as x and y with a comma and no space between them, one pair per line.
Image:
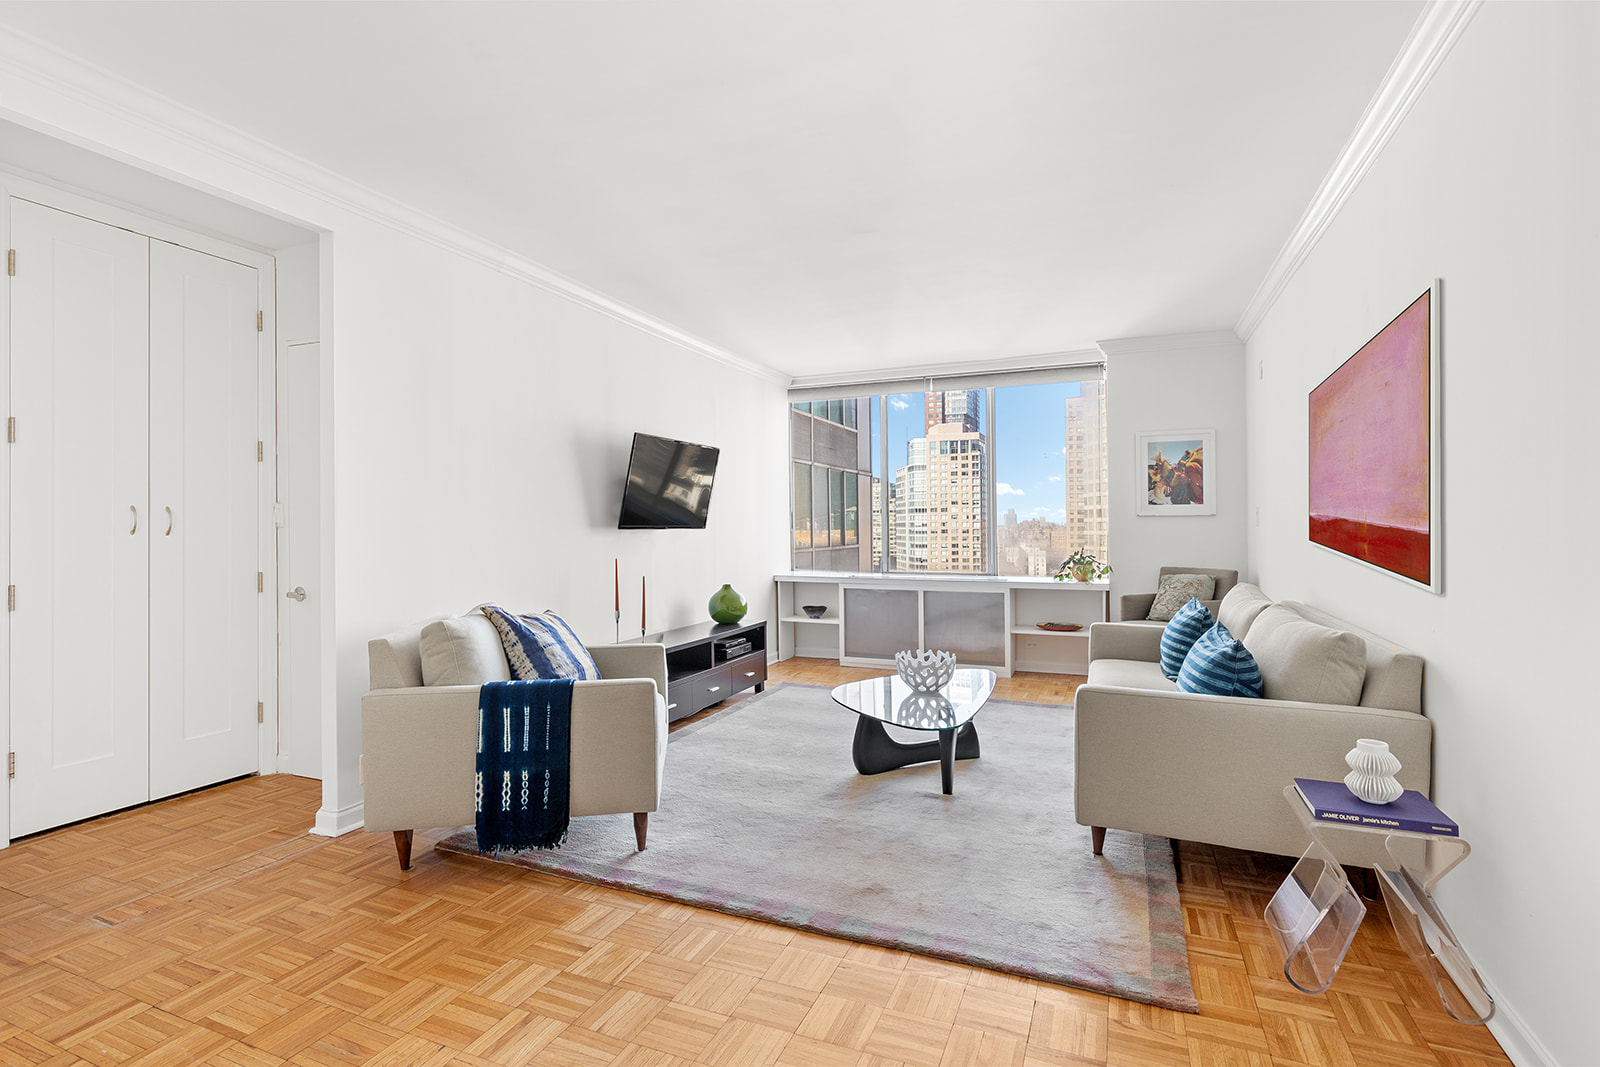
1135,607
419,741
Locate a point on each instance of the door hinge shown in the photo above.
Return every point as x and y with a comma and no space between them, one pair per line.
11,598
261,581
11,764
11,430
11,262
261,451
261,322
261,711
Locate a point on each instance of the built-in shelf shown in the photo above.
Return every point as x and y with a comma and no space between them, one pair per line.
991,617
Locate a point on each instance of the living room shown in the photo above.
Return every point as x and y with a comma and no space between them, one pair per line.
450,352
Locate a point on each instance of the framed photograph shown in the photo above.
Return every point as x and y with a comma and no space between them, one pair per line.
1178,467
1374,479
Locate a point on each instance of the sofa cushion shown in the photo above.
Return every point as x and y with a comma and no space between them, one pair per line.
1192,620
541,646
1240,607
463,651
1301,660
1220,666
1394,673
1130,674
1176,590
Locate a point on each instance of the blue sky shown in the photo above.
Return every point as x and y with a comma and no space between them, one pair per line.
1032,421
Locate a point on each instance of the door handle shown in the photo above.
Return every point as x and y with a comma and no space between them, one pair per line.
749,674
135,528
713,688
169,524
297,593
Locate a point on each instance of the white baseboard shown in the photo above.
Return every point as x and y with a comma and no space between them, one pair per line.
338,823
1515,1036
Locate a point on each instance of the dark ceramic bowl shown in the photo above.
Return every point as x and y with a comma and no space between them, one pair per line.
814,611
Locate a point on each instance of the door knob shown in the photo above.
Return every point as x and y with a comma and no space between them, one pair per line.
297,593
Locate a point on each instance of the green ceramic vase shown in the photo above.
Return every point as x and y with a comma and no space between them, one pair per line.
727,605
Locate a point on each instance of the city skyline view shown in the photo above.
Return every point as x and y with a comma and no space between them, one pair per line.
938,507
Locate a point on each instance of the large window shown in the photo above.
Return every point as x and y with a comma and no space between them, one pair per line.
830,444
1006,479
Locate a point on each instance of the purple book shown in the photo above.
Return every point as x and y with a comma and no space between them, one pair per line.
1413,812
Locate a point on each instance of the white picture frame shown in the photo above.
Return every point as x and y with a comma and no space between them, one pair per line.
1176,467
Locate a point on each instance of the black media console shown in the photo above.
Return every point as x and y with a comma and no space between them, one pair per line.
709,662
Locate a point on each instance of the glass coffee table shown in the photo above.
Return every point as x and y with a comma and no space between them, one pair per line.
948,711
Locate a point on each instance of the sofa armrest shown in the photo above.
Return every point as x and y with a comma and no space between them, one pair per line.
419,752
1125,640
1213,769
632,661
1135,606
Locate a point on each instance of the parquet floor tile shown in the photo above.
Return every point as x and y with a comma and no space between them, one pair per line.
212,928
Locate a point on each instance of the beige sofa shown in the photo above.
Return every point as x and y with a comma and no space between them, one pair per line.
419,728
1212,769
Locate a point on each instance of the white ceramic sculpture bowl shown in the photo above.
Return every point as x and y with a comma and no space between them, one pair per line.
926,671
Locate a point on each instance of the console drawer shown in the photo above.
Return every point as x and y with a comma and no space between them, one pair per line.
747,671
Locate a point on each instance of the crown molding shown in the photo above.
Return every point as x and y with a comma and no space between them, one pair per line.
1043,361
34,67
1170,342
1432,37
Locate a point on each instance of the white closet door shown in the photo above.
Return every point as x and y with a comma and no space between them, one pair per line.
204,525
80,518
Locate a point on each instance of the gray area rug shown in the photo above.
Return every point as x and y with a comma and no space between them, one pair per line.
763,815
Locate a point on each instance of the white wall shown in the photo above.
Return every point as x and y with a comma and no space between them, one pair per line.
1490,185
1178,382
477,424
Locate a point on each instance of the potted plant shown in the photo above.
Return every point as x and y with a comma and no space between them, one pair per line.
1082,567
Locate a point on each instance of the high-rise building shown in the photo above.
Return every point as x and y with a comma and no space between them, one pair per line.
958,405
958,487
908,510
1085,471
830,444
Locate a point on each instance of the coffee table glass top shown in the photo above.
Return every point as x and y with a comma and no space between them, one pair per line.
889,699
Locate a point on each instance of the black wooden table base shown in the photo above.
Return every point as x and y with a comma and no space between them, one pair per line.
875,751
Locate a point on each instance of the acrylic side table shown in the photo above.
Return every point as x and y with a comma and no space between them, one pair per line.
1314,915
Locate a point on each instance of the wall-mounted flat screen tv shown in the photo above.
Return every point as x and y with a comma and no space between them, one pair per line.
668,486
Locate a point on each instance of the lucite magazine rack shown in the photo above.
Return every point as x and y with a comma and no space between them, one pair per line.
1314,915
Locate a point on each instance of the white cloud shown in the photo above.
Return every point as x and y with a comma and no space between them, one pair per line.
898,404
1055,477
1002,489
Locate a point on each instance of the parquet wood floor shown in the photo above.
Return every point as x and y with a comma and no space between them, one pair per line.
214,929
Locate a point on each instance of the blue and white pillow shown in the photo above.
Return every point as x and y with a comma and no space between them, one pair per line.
1220,666
541,646
1185,628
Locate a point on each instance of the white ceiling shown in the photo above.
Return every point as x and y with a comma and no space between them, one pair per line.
818,187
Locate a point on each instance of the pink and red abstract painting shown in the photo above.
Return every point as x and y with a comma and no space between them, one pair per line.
1371,455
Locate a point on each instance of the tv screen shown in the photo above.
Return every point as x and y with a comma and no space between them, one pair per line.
668,486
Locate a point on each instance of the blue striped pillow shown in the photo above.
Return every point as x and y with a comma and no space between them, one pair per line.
541,646
1185,628
1221,666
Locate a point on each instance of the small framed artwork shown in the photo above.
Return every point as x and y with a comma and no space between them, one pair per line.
1178,468
1374,450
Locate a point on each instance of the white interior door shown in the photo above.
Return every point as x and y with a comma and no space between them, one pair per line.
204,647
300,632
80,518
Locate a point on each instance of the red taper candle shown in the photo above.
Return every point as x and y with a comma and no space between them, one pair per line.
616,579
641,603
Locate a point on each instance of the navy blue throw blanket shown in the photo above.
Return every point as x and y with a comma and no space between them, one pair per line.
524,754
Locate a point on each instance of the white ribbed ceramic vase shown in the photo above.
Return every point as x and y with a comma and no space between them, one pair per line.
926,671
1372,771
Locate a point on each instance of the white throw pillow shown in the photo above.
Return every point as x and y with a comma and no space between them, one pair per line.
462,651
1176,590
1300,660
